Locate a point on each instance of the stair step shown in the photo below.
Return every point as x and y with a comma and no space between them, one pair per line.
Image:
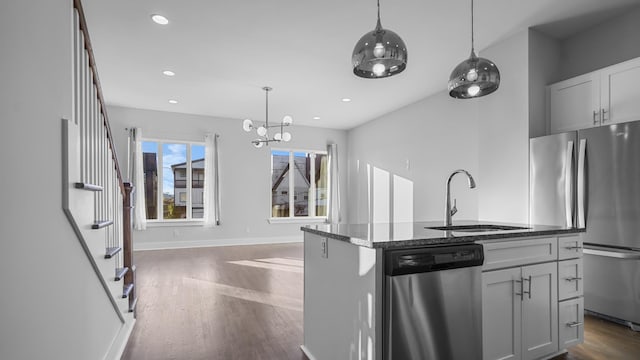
100,224
132,305
111,252
127,290
120,273
89,187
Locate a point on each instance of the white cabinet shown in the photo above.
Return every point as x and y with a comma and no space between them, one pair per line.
520,313
571,320
502,314
574,103
570,292
602,97
620,96
531,297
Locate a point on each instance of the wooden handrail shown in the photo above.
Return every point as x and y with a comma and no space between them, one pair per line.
96,80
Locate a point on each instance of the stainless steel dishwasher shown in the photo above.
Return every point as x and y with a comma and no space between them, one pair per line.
433,303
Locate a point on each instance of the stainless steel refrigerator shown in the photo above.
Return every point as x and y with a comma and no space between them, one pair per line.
591,178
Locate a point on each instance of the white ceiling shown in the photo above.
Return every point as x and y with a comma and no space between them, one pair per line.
224,52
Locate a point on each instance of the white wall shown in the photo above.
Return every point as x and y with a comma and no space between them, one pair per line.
503,130
609,43
245,176
544,66
435,136
52,305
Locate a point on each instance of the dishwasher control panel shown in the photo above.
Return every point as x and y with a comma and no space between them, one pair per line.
436,258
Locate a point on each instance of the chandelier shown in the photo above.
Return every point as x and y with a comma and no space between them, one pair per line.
263,130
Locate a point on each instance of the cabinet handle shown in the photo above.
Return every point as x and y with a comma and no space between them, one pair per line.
595,117
527,292
521,288
573,278
603,118
574,324
577,247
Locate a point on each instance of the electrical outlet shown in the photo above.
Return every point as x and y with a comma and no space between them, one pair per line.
324,245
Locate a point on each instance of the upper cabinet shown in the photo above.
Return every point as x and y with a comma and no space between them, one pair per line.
602,97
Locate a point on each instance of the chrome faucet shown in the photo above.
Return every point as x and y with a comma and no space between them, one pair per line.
449,211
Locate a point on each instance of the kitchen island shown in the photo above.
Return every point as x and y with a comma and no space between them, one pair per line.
524,311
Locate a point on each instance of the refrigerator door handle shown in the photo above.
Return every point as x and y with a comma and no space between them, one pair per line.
568,186
618,254
582,152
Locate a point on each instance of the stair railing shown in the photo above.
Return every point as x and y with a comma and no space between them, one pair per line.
91,164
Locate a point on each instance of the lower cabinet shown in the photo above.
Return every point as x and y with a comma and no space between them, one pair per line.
520,312
571,321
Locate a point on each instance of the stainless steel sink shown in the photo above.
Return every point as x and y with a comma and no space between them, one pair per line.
477,228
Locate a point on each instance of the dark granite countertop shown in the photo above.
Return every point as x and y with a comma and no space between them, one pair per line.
411,234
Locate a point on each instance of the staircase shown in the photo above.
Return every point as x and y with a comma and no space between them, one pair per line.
96,200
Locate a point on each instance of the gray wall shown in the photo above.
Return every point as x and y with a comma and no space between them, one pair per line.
52,305
436,136
487,136
609,43
503,131
245,176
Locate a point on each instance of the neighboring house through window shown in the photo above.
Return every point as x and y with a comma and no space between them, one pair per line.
174,178
299,184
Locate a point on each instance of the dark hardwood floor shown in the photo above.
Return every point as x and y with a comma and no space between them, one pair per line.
245,303
605,340
233,302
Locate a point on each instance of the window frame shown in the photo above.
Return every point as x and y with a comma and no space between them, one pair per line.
312,217
160,220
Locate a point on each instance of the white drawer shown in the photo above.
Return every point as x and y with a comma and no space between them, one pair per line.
570,281
569,247
570,322
502,254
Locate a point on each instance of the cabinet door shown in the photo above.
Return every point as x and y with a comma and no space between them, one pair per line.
620,95
571,324
539,310
572,103
501,314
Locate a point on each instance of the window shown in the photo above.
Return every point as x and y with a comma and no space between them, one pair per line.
298,184
174,178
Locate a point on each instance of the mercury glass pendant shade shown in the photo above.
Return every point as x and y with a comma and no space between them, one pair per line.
474,77
379,53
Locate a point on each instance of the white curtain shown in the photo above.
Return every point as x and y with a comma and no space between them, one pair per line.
333,214
211,183
139,210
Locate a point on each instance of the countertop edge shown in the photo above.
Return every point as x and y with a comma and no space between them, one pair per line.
442,240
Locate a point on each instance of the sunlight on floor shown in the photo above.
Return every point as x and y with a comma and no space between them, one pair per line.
250,295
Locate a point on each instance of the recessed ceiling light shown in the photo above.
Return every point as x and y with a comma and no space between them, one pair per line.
346,99
159,19
316,118
172,101
168,73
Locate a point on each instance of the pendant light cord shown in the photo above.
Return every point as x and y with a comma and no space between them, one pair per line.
472,45
267,108
378,10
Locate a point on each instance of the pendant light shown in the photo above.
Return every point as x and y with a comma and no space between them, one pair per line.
474,77
263,130
379,53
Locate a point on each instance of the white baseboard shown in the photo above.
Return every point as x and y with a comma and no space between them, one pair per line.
307,352
162,245
121,339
